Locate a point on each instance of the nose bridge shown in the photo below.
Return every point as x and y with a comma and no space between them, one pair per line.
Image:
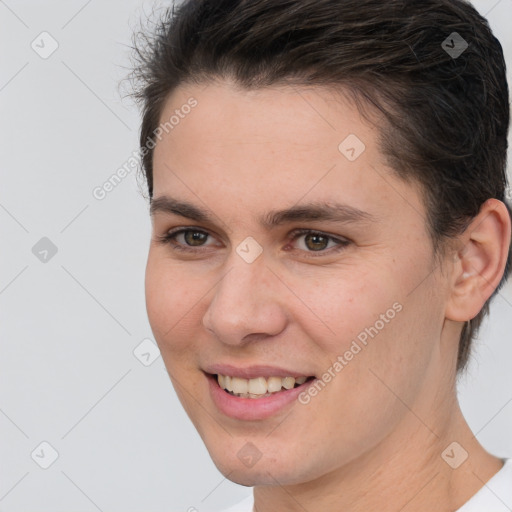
244,302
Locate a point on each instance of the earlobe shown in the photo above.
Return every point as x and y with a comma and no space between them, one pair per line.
480,263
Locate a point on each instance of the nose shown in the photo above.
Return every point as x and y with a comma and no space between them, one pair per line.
246,304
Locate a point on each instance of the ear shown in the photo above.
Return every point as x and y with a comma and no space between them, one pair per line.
480,263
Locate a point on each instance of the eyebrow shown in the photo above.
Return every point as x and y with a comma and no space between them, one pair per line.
313,211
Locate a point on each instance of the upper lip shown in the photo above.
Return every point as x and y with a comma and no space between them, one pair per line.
253,371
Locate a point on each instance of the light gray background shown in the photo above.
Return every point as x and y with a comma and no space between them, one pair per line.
69,326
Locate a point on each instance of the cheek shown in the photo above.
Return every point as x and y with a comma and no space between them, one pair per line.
369,318
381,339
344,305
172,301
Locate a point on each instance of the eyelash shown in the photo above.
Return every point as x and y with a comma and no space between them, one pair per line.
170,239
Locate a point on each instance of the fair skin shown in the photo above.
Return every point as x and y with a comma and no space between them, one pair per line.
372,438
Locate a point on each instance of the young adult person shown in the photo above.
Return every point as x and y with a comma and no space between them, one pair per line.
327,185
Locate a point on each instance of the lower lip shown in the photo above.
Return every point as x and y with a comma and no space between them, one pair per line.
249,409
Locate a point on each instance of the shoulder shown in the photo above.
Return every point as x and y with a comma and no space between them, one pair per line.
495,495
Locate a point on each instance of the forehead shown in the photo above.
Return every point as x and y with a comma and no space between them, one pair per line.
292,118
277,145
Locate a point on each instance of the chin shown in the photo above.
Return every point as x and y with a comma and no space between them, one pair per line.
249,478
265,471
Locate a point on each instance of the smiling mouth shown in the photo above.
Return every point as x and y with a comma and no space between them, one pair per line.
258,387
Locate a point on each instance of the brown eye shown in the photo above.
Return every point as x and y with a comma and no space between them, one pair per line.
316,242
194,238
186,239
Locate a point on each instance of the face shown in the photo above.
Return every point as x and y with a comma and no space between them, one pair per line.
284,247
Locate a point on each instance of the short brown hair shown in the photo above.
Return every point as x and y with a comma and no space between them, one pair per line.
446,115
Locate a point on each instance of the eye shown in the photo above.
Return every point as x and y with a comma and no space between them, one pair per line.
315,241
194,238
185,239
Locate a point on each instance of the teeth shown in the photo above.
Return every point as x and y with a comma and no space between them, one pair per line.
239,385
288,382
258,387
274,384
